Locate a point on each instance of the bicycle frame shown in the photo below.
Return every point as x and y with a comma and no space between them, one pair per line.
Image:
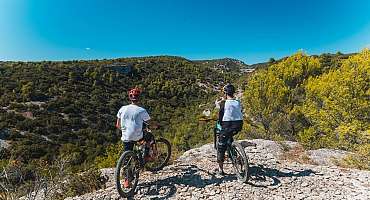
132,162
231,152
139,150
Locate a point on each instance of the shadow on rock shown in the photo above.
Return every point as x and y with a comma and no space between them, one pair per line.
192,176
261,176
187,175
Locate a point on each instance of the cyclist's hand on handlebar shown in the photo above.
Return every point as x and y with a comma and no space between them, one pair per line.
152,125
155,125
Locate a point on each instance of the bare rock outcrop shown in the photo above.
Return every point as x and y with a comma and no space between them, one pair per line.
276,173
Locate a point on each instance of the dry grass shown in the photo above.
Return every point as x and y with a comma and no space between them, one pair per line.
297,154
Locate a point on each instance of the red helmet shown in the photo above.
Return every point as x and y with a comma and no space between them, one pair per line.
134,94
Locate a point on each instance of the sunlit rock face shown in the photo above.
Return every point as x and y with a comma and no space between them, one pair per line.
278,170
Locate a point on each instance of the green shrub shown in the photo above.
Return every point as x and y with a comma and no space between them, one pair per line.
112,154
85,182
360,159
337,105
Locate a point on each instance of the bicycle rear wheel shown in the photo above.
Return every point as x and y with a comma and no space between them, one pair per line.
127,174
240,161
160,153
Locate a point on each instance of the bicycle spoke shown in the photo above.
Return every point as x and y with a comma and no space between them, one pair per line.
127,174
240,162
160,155
128,162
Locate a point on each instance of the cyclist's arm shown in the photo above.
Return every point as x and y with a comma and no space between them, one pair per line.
118,123
218,102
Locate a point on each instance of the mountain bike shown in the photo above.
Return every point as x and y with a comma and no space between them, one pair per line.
235,152
131,163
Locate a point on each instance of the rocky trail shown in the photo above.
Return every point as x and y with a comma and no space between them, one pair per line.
278,171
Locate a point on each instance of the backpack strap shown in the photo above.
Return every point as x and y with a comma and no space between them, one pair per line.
222,111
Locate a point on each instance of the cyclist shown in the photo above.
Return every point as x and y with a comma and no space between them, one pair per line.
131,119
231,120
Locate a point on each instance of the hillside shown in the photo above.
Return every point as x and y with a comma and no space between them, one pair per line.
49,109
56,118
226,64
277,172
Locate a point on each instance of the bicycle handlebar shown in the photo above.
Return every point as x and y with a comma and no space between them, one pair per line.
207,119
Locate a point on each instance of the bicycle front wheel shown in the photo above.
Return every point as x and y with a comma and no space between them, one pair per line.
127,174
240,161
160,154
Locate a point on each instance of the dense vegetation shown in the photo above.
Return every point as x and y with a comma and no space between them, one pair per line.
51,109
65,111
321,101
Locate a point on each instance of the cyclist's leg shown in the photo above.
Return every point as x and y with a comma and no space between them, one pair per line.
234,128
229,129
222,144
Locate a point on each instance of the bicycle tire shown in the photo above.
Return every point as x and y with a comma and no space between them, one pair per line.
154,167
126,156
243,173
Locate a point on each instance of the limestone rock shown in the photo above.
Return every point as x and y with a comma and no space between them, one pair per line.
192,177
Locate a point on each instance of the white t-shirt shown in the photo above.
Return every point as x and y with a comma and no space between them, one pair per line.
132,118
233,110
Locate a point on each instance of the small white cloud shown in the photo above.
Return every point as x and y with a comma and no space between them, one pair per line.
87,48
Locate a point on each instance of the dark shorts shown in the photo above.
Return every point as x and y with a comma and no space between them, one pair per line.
229,129
147,137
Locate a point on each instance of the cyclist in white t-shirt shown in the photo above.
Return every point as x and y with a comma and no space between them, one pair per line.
231,120
131,119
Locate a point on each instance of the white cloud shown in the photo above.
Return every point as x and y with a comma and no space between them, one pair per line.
87,48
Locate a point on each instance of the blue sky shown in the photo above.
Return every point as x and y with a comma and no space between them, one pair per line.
250,30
